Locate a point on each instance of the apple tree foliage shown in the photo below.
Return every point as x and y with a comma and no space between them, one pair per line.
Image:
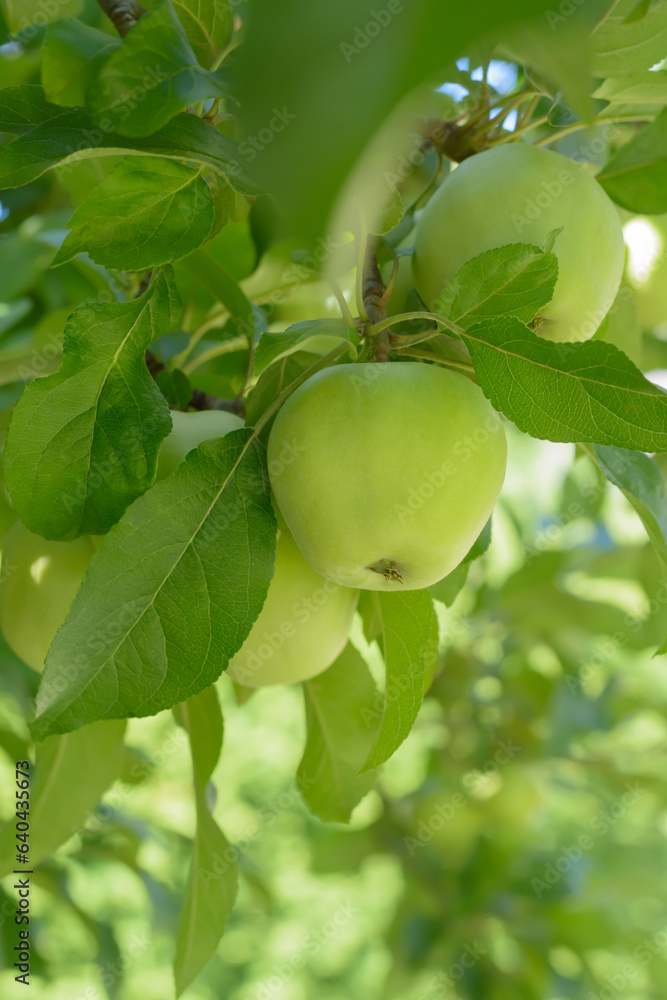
197,211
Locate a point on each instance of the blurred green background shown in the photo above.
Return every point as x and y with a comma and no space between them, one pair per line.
523,824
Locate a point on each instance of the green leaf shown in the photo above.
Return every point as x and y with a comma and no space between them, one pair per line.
317,64
447,590
70,774
593,392
72,56
24,107
227,290
642,88
83,442
146,213
213,876
406,636
311,334
641,481
392,213
624,47
208,24
341,718
559,48
636,176
25,15
273,381
73,136
175,386
516,280
432,649
152,77
192,561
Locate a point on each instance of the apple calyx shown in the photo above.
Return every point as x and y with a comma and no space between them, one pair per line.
388,568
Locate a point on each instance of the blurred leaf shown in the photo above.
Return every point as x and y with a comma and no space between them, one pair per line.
312,64
145,213
72,56
193,560
83,442
22,15
213,877
642,483
70,774
73,136
175,81
559,48
208,24
393,212
623,46
341,718
406,634
175,387
648,87
22,260
447,590
596,394
311,334
636,176
225,288
516,280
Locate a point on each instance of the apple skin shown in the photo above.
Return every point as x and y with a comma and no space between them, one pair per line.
647,268
519,193
188,432
302,627
38,582
386,473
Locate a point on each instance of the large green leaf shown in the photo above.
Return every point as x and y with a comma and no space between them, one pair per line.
624,46
213,876
567,392
170,595
72,56
636,176
406,630
311,334
516,280
341,717
24,107
73,136
338,80
83,442
208,25
70,774
145,213
152,77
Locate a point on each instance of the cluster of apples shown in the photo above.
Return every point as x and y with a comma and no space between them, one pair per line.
383,474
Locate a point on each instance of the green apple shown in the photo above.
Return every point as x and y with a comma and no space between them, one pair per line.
518,193
189,430
302,627
386,473
38,582
646,240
